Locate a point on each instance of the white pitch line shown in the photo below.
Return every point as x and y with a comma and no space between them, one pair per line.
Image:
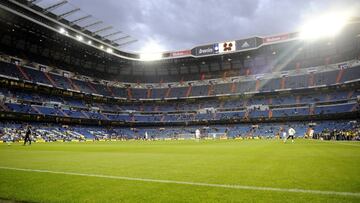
241,187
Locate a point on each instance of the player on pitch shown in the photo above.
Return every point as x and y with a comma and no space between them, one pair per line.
28,135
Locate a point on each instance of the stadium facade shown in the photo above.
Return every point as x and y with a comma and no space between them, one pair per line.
70,88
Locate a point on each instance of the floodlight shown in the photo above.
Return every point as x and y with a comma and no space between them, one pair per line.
109,50
62,30
101,47
89,42
328,25
150,56
152,50
79,37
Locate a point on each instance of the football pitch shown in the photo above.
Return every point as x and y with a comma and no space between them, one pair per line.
181,171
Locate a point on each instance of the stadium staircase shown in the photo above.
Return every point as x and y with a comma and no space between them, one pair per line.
298,67
47,75
77,134
188,91
350,94
23,72
339,75
193,117
148,93
85,114
110,90
72,84
221,105
36,109
270,101
270,113
355,107
282,85
312,110
311,79
233,87
129,93
118,108
246,115
211,89
328,97
298,99
104,116
168,91
162,118
257,85
3,106
63,113
245,102
199,106
92,87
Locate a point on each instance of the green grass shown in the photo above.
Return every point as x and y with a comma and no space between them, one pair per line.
306,164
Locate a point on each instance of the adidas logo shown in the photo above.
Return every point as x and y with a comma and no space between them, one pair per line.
246,44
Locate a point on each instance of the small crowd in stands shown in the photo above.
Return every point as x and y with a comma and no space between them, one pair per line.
339,134
343,130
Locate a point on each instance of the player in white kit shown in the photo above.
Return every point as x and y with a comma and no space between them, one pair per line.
197,134
291,134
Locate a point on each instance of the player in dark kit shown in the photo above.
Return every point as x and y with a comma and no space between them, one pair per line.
27,135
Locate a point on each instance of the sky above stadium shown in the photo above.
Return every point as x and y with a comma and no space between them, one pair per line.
161,25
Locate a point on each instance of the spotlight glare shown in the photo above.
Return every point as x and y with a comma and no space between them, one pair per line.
328,25
151,51
150,56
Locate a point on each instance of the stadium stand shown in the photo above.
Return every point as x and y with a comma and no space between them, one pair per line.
95,93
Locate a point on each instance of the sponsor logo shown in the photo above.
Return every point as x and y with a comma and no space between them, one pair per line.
227,46
206,50
245,45
180,53
276,38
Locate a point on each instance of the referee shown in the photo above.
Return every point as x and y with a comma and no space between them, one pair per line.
27,135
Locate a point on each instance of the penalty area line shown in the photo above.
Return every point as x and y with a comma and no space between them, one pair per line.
240,187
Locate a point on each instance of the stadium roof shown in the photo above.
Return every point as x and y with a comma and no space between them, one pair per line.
61,16
70,15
